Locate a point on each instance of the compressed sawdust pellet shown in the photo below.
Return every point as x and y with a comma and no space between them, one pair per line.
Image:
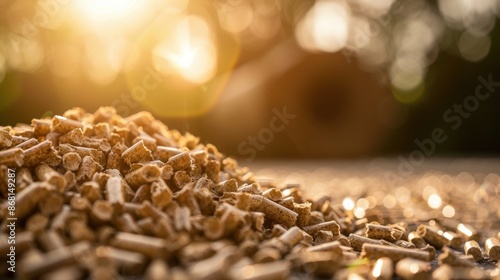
472,248
101,196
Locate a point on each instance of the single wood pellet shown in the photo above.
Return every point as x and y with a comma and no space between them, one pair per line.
100,196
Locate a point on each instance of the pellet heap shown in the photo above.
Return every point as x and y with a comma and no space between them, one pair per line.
100,196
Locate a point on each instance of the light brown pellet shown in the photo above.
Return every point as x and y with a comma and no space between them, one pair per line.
46,174
87,169
416,239
71,161
455,241
330,246
12,157
304,213
180,161
28,199
356,241
374,251
5,139
146,174
37,153
432,236
329,226
27,144
137,153
384,232
323,236
115,194
63,125
273,211
150,246
471,248
74,137
492,246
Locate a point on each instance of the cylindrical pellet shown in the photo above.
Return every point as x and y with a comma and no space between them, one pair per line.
137,153
383,232
71,161
150,246
416,239
180,161
492,246
432,236
37,153
63,125
291,237
472,248
273,210
455,241
47,174
328,226
12,157
146,174
115,193
412,269
382,270
374,251
357,241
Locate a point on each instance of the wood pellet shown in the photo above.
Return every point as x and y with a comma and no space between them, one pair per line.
103,196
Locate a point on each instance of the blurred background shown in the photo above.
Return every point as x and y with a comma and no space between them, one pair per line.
266,78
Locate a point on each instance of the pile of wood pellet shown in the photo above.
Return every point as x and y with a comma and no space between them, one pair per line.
99,196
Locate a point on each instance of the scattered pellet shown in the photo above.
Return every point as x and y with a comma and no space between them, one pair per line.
432,236
492,246
150,246
329,226
12,157
472,248
273,211
99,196
416,239
384,232
71,161
63,125
46,174
137,153
356,241
455,241
374,251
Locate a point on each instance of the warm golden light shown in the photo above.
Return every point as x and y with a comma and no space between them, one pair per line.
348,203
434,201
325,27
107,10
190,52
